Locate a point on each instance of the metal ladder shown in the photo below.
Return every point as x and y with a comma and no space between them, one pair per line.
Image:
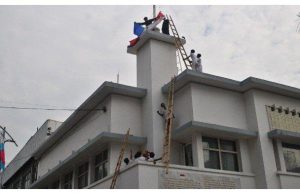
168,127
178,43
117,169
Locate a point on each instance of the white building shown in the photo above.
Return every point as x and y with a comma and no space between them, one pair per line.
226,134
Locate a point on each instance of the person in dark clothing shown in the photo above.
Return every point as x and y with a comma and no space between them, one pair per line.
137,155
151,157
126,161
165,27
162,110
147,21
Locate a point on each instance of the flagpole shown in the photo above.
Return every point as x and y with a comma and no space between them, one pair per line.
154,11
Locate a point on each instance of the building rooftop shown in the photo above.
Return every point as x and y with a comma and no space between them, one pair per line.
106,89
190,76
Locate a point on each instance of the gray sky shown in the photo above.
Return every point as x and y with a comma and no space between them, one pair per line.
57,56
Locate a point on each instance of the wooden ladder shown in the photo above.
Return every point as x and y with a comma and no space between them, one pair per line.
117,169
178,43
168,127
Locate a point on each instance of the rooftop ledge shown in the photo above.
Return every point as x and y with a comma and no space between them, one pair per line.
190,76
147,35
285,135
180,168
211,129
106,89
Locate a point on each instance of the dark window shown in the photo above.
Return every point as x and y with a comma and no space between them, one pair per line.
83,173
34,172
101,161
26,180
55,185
68,180
291,153
220,154
17,184
188,155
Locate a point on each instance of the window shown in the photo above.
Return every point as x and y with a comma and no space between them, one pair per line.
68,179
55,185
26,180
101,165
188,155
220,154
291,153
83,172
17,184
34,172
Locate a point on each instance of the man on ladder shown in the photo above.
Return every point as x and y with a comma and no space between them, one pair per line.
168,127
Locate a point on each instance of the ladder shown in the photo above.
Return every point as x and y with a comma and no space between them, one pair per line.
168,127
179,65
178,43
117,169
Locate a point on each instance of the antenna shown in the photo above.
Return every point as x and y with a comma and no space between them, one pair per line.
118,77
11,140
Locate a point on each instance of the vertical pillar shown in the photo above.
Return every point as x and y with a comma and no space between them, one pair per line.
197,150
61,180
280,156
91,170
156,65
75,182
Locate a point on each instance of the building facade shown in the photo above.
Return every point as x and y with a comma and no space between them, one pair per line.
226,133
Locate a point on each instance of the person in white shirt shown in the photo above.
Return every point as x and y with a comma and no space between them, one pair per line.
138,157
198,66
193,58
151,157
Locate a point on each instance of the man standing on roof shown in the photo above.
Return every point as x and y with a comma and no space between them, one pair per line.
193,57
198,65
165,27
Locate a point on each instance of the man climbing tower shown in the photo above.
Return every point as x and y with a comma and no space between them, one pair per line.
147,21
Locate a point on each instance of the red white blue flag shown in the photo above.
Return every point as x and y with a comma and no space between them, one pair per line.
2,153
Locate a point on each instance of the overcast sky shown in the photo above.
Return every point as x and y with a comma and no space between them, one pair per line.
57,56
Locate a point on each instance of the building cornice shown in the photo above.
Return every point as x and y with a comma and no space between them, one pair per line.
285,135
190,76
211,129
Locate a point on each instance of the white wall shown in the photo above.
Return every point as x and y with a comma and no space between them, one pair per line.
126,112
146,176
218,106
91,126
289,181
128,179
183,106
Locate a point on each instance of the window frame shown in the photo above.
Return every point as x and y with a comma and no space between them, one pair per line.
100,164
184,151
85,174
26,179
284,161
219,150
70,182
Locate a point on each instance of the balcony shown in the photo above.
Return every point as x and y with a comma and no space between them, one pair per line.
146,175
